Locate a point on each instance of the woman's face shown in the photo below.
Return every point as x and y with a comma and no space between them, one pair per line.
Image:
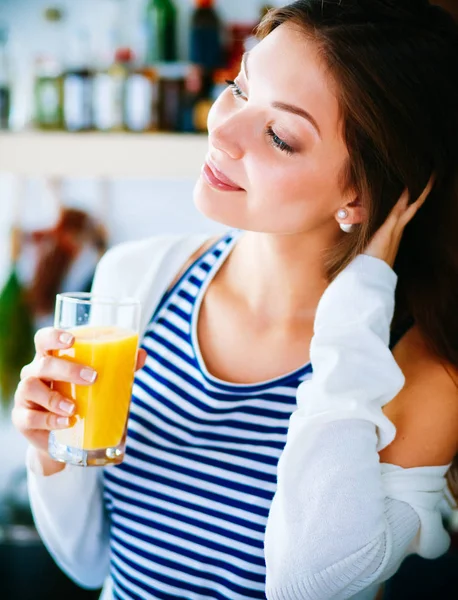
277,136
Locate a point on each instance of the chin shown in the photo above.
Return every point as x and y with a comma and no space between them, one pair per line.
222,207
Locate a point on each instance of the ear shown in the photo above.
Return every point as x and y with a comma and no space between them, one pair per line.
356,212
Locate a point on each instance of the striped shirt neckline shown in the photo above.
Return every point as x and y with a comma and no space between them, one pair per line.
221,250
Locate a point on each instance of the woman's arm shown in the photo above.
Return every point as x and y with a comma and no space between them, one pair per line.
68,504
339,521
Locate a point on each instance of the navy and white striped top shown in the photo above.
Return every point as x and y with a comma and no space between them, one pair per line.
188,506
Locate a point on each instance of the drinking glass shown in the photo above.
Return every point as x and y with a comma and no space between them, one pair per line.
106,335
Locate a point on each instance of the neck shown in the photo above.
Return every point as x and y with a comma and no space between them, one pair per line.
279,278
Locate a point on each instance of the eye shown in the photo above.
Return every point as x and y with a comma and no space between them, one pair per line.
236,90
278,142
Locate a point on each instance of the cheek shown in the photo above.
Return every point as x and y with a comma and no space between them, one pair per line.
276,179
293,192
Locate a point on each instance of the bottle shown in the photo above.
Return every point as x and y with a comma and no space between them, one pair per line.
48,81
78,82
108,92
171,95
141,113
206,36
48,94
192,87
161,23
5,84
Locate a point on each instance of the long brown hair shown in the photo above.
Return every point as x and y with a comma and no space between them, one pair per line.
396,66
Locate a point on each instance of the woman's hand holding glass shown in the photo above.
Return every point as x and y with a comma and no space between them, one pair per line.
39,409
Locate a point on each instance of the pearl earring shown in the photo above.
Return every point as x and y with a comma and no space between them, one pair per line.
343,214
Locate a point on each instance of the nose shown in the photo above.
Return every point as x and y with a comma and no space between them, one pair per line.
226,137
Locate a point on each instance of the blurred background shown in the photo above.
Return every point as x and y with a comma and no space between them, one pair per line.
103,108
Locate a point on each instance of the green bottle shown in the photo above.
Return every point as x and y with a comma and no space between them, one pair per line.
16,330
161,23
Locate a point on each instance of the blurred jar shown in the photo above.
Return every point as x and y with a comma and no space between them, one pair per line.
141,100
171,96
109,92
48,94
5,83
78,82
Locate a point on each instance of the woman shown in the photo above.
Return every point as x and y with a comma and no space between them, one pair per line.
342,106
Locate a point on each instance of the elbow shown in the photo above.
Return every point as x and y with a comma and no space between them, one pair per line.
305,576
88,581
87,575
88,567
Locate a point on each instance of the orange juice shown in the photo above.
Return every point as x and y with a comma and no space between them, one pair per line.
101,408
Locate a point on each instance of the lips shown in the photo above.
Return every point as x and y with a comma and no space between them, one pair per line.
217,179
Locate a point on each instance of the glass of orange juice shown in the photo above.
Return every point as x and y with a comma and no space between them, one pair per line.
106,335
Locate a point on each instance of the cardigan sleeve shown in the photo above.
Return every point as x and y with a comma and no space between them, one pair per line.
70,518
340,521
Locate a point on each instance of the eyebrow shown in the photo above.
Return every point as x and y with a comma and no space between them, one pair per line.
295,110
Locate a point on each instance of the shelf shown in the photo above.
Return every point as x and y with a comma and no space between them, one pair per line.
103,155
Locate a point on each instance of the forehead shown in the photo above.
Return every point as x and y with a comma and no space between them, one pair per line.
288,64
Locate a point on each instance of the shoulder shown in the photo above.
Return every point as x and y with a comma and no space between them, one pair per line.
129,253
425,412
207,244
128,265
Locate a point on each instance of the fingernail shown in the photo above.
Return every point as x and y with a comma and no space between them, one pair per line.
66,407
88,375
63,422
66,338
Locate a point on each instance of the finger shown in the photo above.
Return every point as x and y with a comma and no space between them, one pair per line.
33,391
401,205
48,339
25,419
141,359
49,368
396,212
415,206
426,192
409,214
